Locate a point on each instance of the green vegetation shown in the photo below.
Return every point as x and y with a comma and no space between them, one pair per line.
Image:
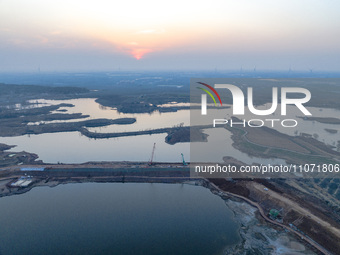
35,90
274,213
15,158
145,103
326,120
20,94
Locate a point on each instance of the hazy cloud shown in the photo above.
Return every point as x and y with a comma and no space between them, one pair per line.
150,31
173,34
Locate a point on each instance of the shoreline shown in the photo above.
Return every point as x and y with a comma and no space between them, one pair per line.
55,178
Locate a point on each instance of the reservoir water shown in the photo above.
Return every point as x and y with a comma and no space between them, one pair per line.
72,147
116,218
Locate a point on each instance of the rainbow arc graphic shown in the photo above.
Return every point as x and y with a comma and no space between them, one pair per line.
209,93
204,97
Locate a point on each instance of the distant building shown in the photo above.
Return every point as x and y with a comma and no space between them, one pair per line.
22,182
32,169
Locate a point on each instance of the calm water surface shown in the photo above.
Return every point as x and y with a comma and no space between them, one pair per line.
116,218
72,147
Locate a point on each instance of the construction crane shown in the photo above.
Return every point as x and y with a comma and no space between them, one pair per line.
184,163
152,154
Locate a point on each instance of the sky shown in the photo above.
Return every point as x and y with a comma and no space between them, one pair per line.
110,35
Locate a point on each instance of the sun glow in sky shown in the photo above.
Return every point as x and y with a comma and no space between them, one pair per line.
106,34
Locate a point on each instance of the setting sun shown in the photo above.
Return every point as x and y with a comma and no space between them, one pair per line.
139,53
221,33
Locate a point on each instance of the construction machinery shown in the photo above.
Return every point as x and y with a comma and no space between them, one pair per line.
152,154
184,163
